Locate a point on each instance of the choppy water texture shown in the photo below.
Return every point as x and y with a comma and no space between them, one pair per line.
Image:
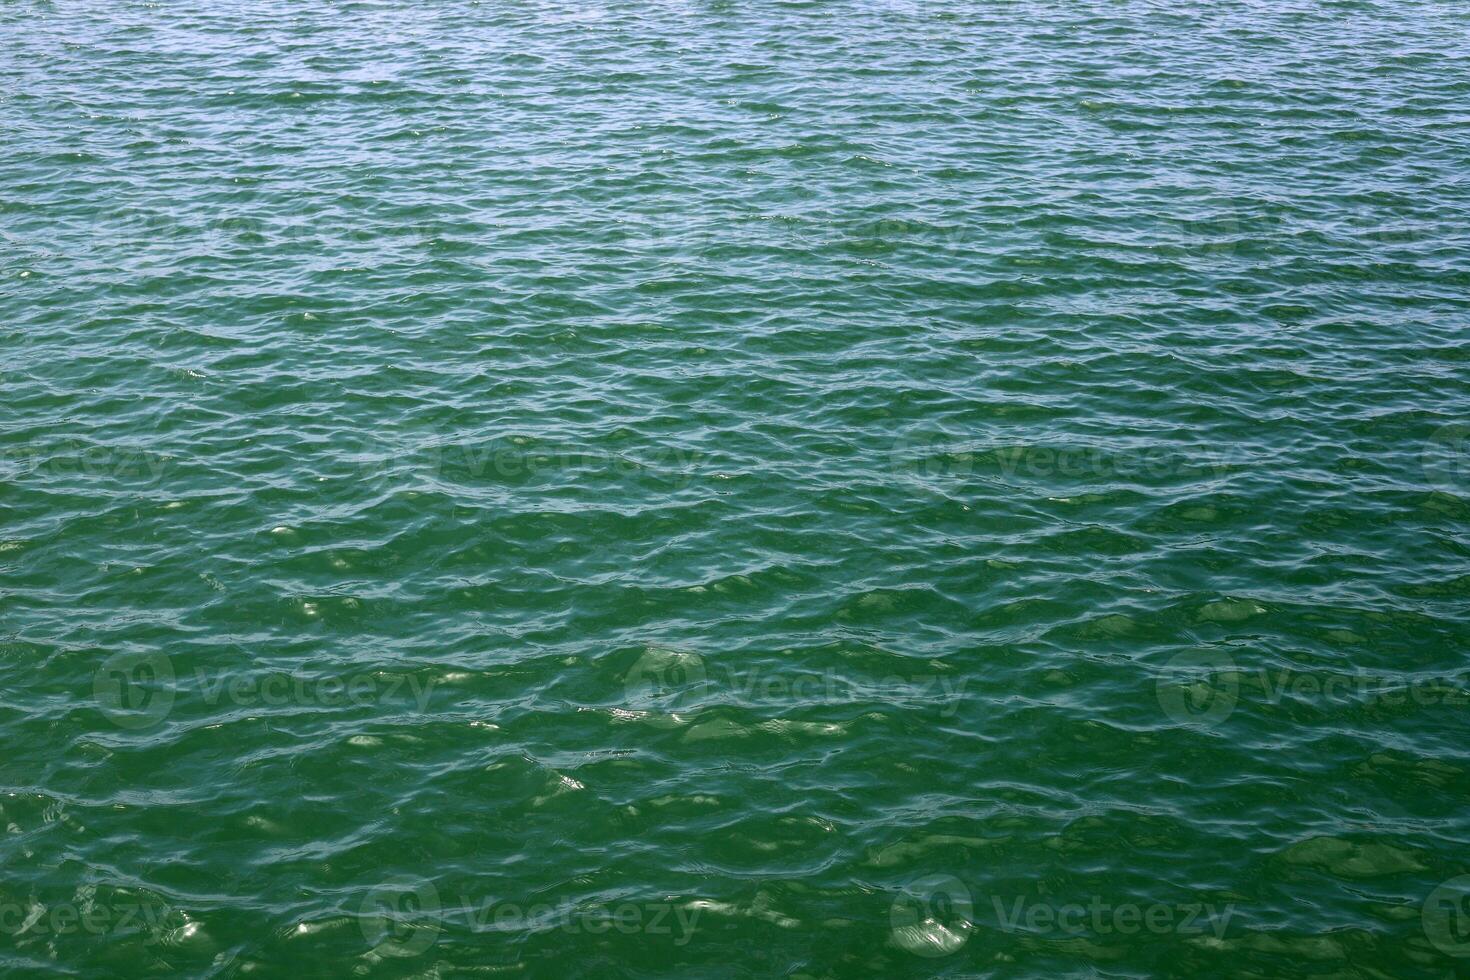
730,490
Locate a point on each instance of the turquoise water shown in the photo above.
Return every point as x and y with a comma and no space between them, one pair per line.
814,490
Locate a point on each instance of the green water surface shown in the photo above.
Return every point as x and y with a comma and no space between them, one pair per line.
716,489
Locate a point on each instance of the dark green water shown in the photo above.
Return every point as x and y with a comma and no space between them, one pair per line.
734,490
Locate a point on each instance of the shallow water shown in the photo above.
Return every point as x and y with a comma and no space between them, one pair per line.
705,489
